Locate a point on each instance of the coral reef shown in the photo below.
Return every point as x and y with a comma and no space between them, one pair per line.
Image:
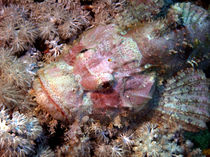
44,152
8,2
61,19
124,13
152,143
155,141
104,78
15,81
83,139
106,11
16,30
17,134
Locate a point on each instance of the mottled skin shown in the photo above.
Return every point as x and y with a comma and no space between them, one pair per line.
109,68
102,71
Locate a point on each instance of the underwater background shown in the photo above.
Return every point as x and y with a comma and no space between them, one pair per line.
104,78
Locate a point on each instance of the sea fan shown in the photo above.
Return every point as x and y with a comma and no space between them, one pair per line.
185,99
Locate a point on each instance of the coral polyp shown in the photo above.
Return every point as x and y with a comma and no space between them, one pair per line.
17,32
17,134
15,81
152,142
102,150
126,140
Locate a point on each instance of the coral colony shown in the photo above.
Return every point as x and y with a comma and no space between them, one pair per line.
104,78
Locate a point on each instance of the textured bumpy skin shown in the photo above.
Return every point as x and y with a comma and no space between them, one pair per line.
57,89
156,42
104,69
194,18
100,72
186,99
185,25
138,10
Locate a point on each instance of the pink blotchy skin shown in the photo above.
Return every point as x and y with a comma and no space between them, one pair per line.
102,72
109,69
105,70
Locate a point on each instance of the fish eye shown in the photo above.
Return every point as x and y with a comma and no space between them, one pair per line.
83,51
